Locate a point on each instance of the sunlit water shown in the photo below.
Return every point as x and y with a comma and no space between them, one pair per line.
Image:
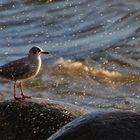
94,46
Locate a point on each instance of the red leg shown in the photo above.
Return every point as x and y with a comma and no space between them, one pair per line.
22,92
15,91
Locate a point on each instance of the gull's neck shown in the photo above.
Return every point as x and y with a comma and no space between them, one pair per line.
36,59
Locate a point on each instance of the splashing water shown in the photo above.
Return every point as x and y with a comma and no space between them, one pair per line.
94,47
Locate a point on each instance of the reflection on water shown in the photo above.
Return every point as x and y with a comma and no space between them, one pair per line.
94,45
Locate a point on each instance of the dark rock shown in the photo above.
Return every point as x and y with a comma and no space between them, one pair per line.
101,126
34,119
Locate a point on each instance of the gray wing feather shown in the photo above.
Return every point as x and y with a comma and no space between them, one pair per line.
15,69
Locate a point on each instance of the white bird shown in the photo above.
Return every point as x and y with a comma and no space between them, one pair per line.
23,68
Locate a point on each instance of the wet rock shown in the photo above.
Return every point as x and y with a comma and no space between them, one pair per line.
34,119
101,126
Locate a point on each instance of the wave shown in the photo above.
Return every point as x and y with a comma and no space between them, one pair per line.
76,68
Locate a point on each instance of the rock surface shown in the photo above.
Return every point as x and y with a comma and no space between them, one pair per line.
34,119
101,126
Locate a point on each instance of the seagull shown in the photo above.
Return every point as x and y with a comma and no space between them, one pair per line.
24,68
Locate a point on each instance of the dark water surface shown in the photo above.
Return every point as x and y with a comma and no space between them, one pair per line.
94,45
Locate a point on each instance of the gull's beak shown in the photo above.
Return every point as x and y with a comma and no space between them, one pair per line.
43,52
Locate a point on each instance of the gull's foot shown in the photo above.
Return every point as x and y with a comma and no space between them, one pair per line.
26,97
19,98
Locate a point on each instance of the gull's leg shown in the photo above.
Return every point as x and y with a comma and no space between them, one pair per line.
15,91
22,92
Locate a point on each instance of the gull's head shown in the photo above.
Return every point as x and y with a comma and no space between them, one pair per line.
37,51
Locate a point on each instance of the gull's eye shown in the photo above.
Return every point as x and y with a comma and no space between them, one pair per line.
36,50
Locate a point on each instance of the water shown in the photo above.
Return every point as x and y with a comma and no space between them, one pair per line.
94,46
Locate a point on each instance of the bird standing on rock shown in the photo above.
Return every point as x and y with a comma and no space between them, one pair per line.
23,68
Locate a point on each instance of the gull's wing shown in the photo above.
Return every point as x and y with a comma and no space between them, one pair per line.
16,70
